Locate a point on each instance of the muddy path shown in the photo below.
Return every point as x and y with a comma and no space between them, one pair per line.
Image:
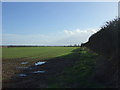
37,75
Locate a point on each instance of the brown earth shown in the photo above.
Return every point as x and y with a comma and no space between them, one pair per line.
52,68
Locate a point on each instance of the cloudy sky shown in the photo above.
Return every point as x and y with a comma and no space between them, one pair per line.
54,23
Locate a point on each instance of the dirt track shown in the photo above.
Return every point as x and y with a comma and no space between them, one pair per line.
52,68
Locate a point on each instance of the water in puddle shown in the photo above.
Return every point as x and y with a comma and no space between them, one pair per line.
22,75
38,72
24,62
22,67
39,63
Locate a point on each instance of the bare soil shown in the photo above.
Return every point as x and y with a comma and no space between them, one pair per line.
52,68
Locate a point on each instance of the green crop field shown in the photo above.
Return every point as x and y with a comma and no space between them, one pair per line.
35,52
62,64
13,56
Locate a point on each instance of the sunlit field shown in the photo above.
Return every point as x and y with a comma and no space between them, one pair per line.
35,52
51,67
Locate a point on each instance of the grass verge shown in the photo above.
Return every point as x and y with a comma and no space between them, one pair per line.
80,75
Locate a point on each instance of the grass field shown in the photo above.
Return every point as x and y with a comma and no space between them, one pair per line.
65,67
13,56
35,52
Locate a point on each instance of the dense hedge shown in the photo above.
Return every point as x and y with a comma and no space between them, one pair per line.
106,42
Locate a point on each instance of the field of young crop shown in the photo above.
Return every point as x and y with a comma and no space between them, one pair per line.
14,58
35,52
48,67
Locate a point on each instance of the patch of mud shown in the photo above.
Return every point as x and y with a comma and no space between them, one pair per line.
22,67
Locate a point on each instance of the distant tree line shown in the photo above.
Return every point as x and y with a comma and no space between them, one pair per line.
8,46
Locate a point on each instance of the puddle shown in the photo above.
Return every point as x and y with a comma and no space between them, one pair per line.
38,72
39,63
24,62
8,63
22,67
22,75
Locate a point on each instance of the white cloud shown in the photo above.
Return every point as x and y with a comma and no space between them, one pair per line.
66,37
68,32
79,31
76,36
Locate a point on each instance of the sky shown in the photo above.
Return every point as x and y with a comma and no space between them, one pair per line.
53,23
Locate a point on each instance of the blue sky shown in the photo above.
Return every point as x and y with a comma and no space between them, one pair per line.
39,23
